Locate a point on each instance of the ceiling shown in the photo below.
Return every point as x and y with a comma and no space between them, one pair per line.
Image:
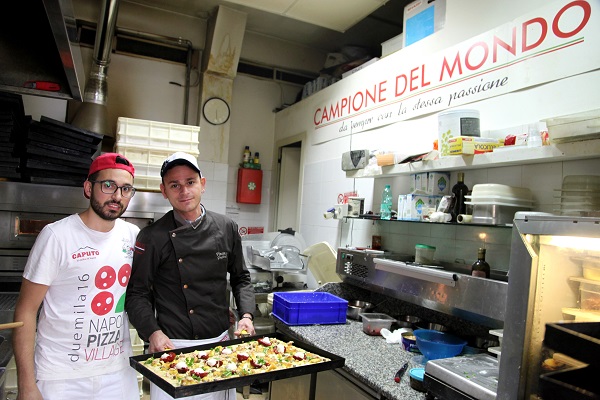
327,25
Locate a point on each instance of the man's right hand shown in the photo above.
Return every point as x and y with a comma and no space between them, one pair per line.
31,392
159,342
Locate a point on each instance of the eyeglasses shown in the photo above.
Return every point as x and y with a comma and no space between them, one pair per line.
110,187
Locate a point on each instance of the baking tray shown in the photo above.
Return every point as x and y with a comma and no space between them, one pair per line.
572,384
72,131
207,387
580,340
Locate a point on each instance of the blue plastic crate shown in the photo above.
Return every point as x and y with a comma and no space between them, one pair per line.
308,308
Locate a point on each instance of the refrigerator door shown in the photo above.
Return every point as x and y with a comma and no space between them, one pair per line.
545,284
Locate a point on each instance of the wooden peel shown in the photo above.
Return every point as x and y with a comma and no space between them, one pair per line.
11,325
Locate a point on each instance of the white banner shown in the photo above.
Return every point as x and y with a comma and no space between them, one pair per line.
557,41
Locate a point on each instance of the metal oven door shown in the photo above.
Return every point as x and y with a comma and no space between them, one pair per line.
19,229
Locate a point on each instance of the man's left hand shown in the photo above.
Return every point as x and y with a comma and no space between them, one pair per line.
245,327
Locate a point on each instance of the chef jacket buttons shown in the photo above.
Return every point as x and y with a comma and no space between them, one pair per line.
180,260
191,311
173,234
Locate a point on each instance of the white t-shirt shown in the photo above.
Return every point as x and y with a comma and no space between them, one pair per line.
82,329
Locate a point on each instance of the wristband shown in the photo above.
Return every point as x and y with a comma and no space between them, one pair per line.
248,317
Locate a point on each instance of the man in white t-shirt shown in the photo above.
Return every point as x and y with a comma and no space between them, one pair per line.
78,270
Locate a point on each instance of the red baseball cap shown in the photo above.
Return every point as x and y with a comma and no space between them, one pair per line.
111,160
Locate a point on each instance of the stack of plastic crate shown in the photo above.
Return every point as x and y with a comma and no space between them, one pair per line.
138,348
148,143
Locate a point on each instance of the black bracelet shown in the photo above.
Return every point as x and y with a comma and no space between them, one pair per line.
248,317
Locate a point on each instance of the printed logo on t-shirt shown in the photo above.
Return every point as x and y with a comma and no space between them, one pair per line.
221,255
127,248
85,253
98,336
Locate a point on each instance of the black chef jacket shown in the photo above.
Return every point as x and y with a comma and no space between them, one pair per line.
178,280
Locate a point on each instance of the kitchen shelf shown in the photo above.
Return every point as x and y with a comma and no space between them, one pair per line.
518,156
508,226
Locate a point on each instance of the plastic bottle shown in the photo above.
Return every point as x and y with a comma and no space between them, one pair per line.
256,159
386,203
247,155
459,191
480,268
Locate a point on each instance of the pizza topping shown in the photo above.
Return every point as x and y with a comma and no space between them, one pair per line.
258,362
168,357
199,372
231,366
181,367
279,349
213,362
235,360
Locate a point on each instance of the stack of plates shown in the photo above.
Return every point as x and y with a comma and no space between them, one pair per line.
580,196
500,195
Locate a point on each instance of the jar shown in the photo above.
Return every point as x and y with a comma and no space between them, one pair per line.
424,253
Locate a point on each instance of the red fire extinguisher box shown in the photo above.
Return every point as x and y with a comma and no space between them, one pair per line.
249,186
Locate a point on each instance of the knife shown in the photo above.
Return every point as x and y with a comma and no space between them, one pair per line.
400,373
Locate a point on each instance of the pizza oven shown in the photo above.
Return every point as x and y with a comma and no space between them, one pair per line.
26,208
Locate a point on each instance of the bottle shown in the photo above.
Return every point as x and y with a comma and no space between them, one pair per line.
256,159
386,203
247,154
480,268
459,191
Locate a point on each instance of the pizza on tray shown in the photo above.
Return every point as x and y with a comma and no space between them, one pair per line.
234,361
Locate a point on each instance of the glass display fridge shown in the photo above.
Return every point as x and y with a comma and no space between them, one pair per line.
554,277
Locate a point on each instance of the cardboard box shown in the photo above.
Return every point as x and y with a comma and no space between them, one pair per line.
417,206
419,182
392,45
470,145
423,18
438,183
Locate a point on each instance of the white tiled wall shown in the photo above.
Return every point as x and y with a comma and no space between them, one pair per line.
454,243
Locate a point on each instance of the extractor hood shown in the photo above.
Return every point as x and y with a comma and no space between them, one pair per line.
39,53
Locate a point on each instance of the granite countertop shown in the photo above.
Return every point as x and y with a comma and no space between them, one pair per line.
370,359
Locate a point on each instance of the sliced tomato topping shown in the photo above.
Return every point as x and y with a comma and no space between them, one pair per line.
168,357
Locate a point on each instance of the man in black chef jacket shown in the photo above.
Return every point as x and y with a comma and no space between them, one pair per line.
177,294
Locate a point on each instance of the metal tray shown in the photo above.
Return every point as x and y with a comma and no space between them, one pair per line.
580,340
207,387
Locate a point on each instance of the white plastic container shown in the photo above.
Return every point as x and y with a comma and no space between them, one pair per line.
424,253
454,123
157,135
591,269
494,214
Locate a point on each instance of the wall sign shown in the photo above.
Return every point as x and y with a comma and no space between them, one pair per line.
531,50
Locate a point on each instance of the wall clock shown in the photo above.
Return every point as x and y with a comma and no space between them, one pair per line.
216,111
